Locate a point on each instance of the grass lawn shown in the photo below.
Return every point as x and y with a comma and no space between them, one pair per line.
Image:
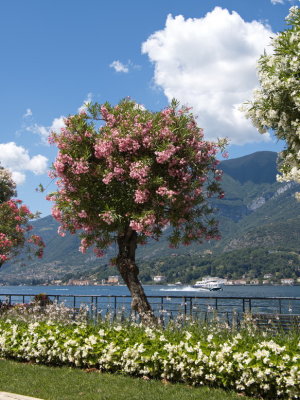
63,383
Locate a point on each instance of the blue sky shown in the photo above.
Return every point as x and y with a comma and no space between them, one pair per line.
56,54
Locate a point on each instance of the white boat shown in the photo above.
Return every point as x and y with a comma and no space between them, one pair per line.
210,283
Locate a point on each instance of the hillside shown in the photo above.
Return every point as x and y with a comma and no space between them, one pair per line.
259,221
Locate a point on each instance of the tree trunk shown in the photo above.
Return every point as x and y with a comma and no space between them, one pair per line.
129,271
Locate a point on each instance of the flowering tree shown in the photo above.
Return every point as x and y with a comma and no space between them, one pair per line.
7,185
14,221
276,104
125,173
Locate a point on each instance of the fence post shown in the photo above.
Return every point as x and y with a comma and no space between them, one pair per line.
280,309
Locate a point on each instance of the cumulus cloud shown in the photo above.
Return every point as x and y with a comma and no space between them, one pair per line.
209,63
119,67
17,160
44,131
277,1
28,113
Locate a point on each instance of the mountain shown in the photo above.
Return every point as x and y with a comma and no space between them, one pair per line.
259,221
259,167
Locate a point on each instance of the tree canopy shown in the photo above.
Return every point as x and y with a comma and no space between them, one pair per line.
276,104
138,169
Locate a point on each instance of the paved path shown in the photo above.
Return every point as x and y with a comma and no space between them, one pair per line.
12,396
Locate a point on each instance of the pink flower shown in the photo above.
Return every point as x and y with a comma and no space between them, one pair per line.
163,191
98,252
128,144
107,179
80,167
107,217
82,249
56,213
61,232
163,156
103,149
139,171
82,214
141,196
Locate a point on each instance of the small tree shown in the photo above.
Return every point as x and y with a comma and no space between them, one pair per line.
276,104
125,173
14,221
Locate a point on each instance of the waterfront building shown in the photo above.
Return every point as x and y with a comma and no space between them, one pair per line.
159,278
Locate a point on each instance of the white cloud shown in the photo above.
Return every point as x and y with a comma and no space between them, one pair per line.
277,1
119,67
28,113
88,99
18,177
44,131
209,63
17,160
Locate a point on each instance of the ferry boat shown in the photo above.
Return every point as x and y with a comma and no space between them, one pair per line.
210,283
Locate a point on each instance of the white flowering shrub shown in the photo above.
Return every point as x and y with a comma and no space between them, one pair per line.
276,104
244,360
52,312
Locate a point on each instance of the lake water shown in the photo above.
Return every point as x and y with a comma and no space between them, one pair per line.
157,290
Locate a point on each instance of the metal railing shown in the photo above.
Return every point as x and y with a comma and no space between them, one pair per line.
168,307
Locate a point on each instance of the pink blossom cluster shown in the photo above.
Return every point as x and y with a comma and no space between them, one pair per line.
144,225
103,148
5,246
98,252
127,144
37,240
141,196
107,217
107,116
164,191
139,171
56,213
80,167
163,156
82,214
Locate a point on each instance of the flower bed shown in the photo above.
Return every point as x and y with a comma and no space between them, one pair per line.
246,361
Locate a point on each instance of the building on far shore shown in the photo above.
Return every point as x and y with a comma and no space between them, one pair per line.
254,282
287,281
78,282
113,280
267,276
159,278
